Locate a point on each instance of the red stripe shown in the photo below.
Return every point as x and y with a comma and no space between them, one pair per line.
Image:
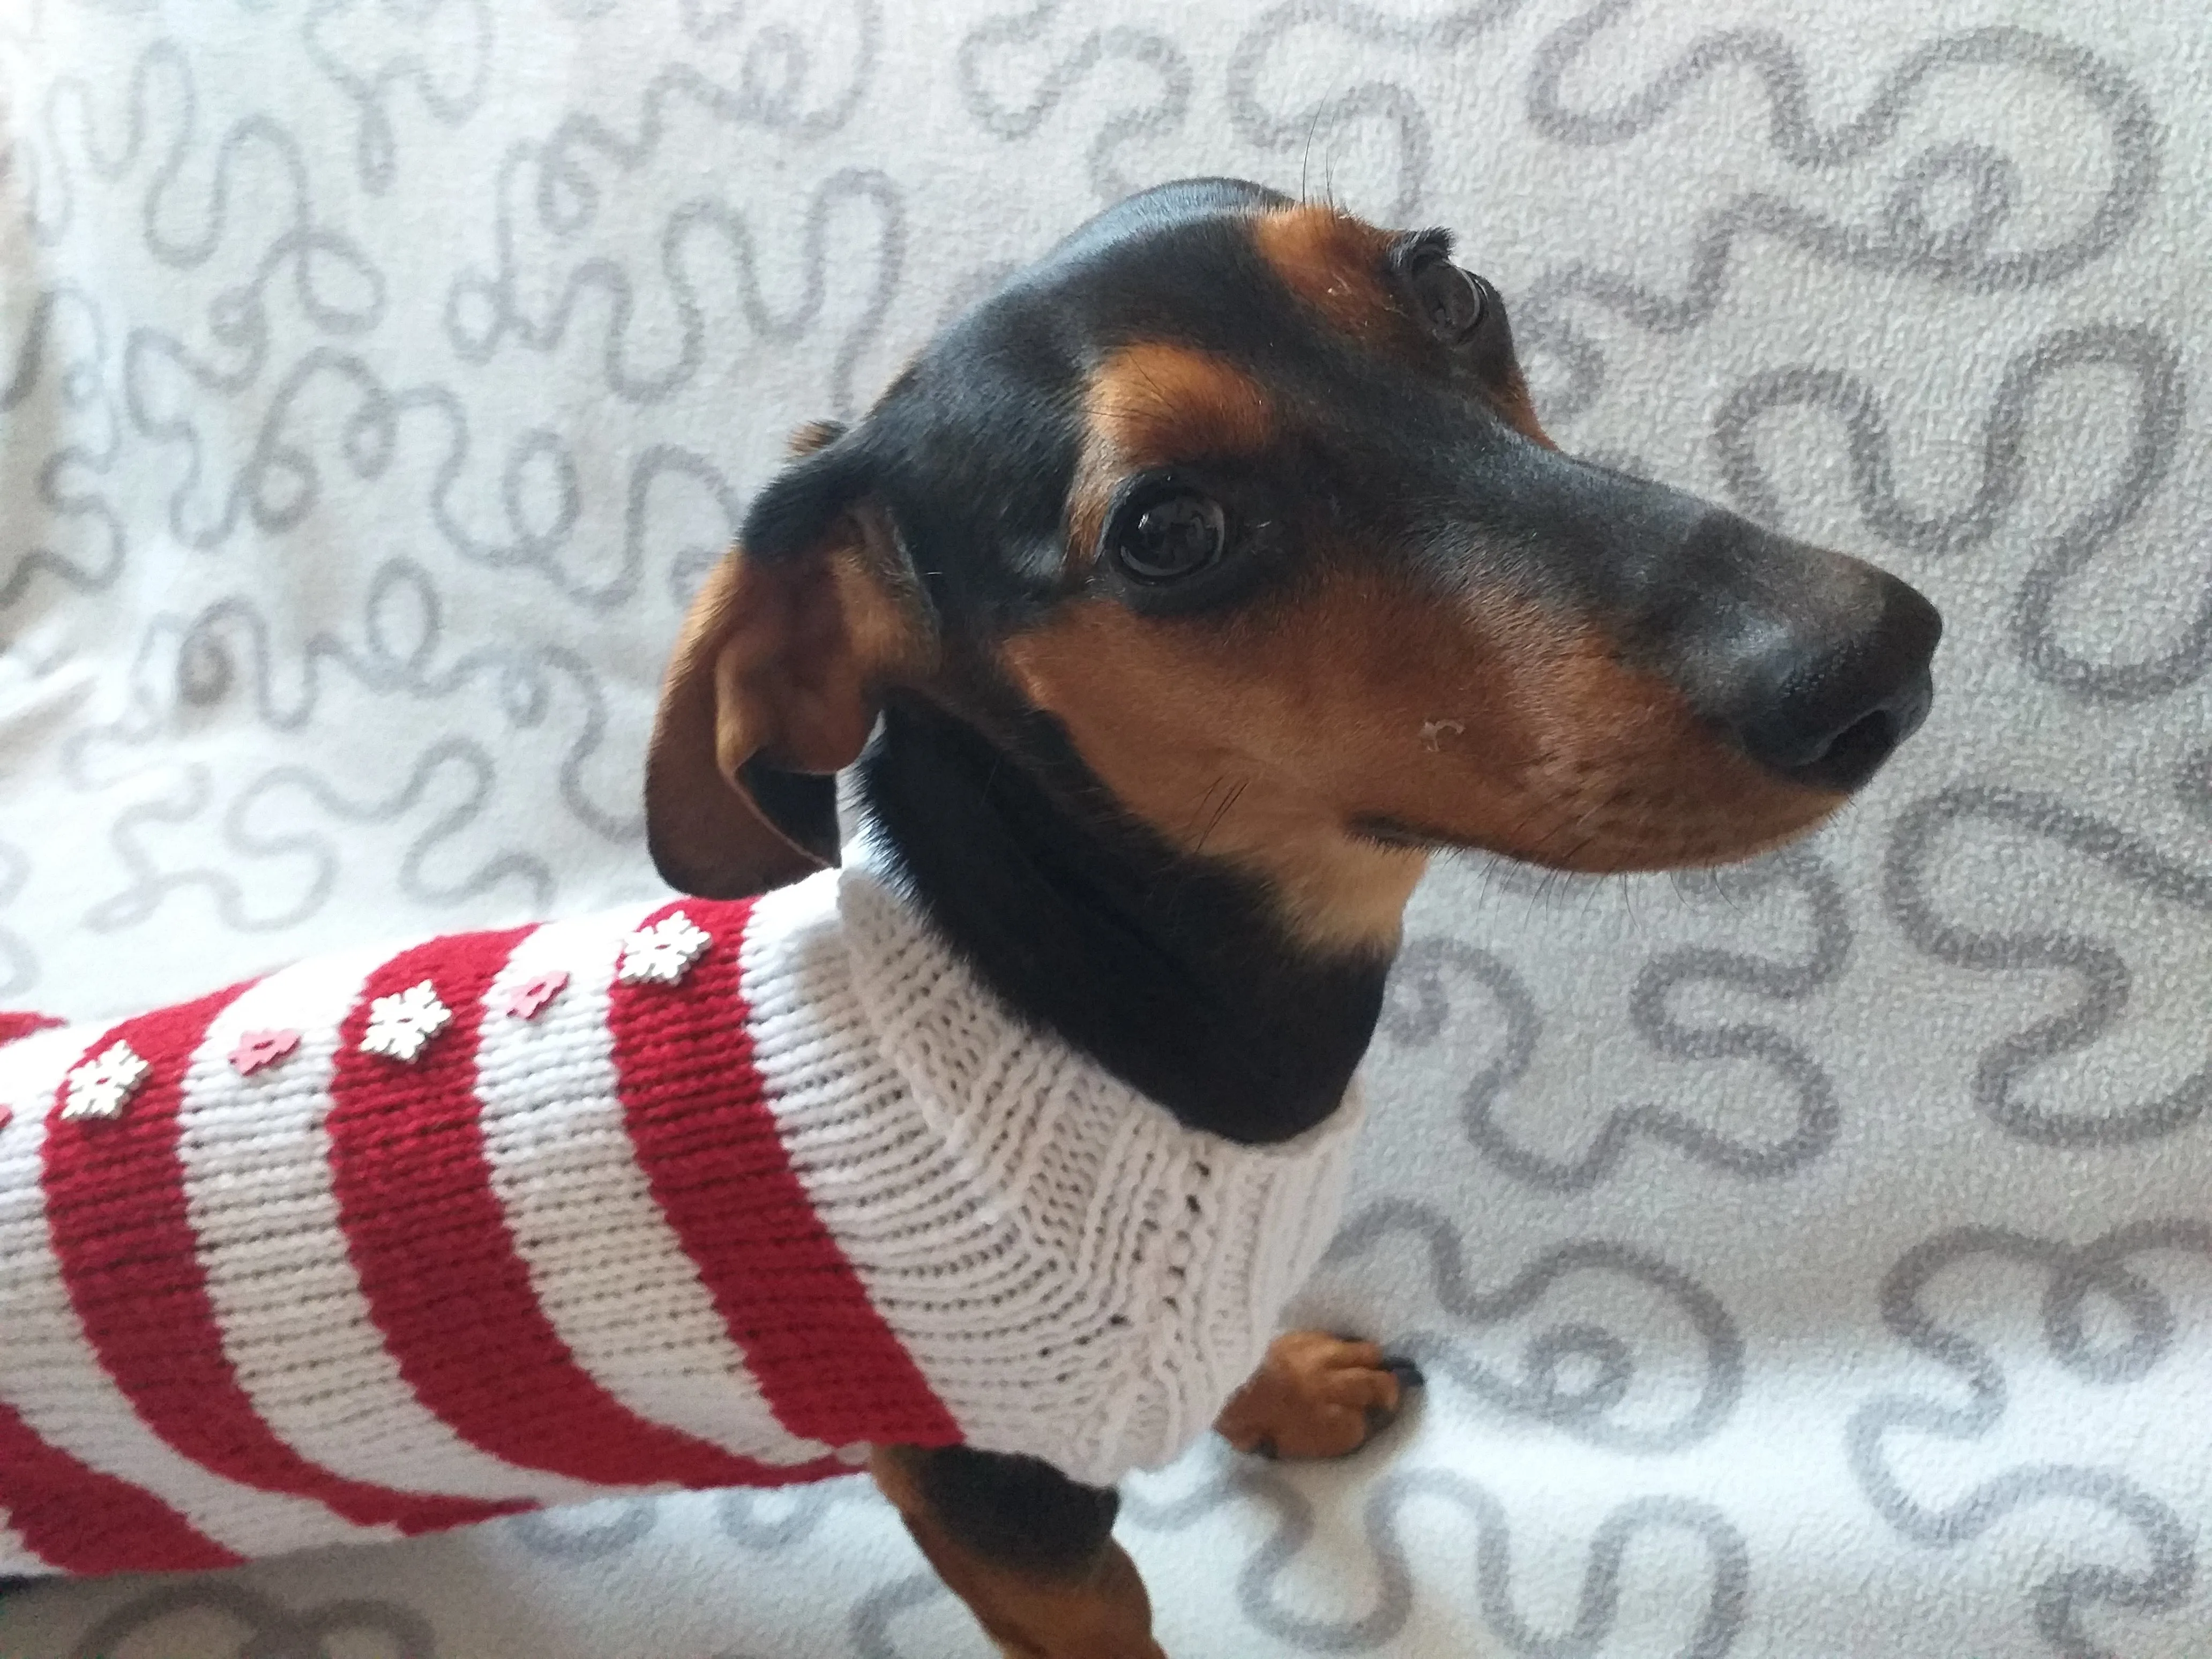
78,1520
122,1230
444,1280
20,1022
700,1117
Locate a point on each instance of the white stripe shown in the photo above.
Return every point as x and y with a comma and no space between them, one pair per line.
53,1377
32,1068
606,1268
880,1178
295,1322
16,1558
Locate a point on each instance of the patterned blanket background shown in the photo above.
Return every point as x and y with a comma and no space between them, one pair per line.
1814,1259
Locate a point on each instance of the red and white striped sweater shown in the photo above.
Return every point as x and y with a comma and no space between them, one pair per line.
695,1195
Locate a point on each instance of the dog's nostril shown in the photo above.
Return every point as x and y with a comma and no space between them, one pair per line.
1859,747
1823,691
1847,755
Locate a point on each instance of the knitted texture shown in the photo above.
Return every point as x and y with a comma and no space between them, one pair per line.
702,1194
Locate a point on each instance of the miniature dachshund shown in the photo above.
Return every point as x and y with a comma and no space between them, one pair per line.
1173,609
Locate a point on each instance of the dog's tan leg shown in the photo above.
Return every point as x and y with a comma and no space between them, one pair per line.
1030,1552
1316,1395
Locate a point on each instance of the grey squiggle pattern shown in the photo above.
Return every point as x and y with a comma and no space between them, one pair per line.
592,1534
1385,1522
1421,975
280,484
2099,967
566,196
277,484
30,356
2062,1596
49,191
263,1627
402,629
472,762
1380,101
376,146
84,400
301,243
1597,1603
869,1625
1912,235
701,25
482,312
983,47
770,80
773,1521
2154,419
1552,1357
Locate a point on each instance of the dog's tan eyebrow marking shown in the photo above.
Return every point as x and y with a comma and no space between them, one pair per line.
1334,263
1156,401
1153,403
1338,264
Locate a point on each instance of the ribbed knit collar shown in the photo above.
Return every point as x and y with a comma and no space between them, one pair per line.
894,948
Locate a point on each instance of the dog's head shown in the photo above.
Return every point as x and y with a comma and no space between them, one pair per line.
1243,502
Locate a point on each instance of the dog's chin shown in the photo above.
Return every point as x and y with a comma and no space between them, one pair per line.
1605,856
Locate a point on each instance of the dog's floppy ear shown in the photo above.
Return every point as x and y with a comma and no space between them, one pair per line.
775,681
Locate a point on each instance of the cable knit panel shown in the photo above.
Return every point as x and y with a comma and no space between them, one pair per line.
699,1194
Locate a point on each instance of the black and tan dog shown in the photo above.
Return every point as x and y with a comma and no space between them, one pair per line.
1176,605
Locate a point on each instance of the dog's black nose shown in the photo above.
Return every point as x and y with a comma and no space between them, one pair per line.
1832,696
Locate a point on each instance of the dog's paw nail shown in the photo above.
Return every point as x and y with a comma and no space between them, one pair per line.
1409,1375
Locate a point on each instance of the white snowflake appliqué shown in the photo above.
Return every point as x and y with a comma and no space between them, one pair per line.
664,953
100,1086
400,1025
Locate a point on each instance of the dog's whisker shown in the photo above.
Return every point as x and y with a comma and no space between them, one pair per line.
1221,811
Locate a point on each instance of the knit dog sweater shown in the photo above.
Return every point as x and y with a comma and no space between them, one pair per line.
698,1194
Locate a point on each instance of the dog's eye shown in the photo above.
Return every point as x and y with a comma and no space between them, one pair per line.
1170,536
1451,302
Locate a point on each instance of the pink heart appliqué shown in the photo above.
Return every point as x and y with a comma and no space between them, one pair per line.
524,1001
259,1048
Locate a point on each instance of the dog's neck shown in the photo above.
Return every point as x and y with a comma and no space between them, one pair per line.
1171,972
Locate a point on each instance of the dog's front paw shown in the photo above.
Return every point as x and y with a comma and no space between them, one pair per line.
1317,1395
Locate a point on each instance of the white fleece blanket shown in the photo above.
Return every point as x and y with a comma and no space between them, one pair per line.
1813,1261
